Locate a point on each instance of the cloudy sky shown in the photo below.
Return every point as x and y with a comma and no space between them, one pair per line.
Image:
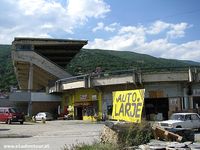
161,28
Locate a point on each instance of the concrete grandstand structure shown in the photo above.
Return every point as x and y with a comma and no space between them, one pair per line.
38,62
39,68
167,90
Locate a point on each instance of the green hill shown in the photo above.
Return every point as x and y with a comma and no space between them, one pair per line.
88,59
7,76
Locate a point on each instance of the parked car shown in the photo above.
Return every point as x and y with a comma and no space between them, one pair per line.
11,114
43,115
182,120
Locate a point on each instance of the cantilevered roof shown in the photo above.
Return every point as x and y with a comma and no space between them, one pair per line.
59,51
48,57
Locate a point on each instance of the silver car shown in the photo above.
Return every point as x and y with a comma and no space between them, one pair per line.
182,120
43,115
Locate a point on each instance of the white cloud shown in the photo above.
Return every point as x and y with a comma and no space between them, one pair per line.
156,47
118,42
177,30
186,51
99,26
173,30
139,31
38,7
158,27
143,39
83,9
7,35
110,28
41,17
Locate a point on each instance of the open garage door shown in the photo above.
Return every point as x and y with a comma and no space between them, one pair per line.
156,108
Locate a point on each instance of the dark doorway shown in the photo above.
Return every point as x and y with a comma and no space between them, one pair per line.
79,113
155,106
196,102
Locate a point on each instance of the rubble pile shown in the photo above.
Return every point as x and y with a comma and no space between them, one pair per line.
109,136
173,139
122,133
165,145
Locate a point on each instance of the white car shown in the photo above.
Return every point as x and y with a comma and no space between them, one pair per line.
43,115
182,120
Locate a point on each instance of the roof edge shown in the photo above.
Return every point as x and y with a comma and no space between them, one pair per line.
48,39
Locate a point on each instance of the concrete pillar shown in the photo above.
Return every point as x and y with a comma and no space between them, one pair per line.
100,103
30,78
186,100
30,88
191,102
89,82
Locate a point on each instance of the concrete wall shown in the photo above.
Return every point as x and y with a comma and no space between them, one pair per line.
169,89
44,97
157,77
33,96
165,77
6,103
166,89
73,85
113,80
21,96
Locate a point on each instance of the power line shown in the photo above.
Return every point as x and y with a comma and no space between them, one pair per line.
174,15
182,13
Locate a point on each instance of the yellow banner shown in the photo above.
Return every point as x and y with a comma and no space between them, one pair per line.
128,105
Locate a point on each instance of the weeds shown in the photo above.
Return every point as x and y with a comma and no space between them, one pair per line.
94,146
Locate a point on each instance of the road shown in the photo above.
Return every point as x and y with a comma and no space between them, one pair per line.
53,135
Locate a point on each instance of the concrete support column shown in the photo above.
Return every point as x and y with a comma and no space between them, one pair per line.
186,100
30,78
30,88
73,102
100,103
191,102
89,82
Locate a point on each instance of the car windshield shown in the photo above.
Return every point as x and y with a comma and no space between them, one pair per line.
178,117
13,110
40,114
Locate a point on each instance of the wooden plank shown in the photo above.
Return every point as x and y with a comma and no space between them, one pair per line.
162,134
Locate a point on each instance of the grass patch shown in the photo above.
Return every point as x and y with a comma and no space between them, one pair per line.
94,146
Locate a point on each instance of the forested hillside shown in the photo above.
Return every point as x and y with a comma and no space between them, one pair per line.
89,59
7,76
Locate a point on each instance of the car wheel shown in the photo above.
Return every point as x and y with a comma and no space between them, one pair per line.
43,120
178,127
9,121
21,122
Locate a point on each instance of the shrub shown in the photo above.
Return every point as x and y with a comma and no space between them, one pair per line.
136,134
